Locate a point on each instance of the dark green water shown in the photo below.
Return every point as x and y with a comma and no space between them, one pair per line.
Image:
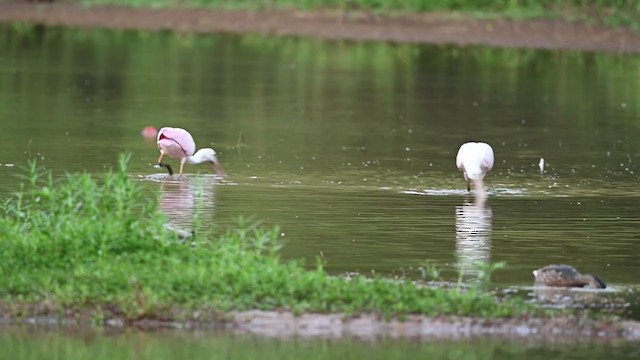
349,146
23,343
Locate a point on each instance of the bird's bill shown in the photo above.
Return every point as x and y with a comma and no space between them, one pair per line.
219,169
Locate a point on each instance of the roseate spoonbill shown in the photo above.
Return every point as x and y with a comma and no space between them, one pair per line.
178,143
566,276
475,159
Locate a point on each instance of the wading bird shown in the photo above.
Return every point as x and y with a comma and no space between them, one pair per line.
566,276
178,143
475,159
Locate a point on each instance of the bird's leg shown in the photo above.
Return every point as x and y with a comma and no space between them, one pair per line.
468,181
160,158
182,161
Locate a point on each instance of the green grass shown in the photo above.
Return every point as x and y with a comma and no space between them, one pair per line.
611,12
100,244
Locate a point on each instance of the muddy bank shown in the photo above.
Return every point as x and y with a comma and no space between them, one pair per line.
274,324
425,28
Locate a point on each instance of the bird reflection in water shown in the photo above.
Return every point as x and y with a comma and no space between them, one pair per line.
188,201
473,235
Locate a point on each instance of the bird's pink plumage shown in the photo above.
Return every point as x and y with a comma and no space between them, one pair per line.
176,142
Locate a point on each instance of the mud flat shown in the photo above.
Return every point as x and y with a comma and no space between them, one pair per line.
419,28
273,324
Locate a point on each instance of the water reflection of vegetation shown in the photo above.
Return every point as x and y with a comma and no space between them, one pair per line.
396,68
100,243
98,344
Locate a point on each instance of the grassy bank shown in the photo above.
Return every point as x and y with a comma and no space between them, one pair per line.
100,244
611,12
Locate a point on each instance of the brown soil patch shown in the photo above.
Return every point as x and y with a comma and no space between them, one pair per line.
422,28
284,324
367,327
274,324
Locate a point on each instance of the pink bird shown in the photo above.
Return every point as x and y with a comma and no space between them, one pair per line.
178,143
475,159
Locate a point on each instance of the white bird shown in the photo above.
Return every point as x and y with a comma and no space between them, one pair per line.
475,159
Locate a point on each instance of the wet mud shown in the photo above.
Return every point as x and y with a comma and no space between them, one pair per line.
274,324
433,28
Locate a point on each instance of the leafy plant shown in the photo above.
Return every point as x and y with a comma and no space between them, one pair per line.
429,271
485,272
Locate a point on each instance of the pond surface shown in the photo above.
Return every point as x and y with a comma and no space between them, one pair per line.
348,146
28,343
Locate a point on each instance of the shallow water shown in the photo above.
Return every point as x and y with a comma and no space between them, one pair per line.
348,146
23,343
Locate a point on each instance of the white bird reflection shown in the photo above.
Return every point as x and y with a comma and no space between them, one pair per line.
187,200
473,236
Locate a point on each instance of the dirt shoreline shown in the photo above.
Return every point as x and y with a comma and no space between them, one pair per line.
420,28
272,324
